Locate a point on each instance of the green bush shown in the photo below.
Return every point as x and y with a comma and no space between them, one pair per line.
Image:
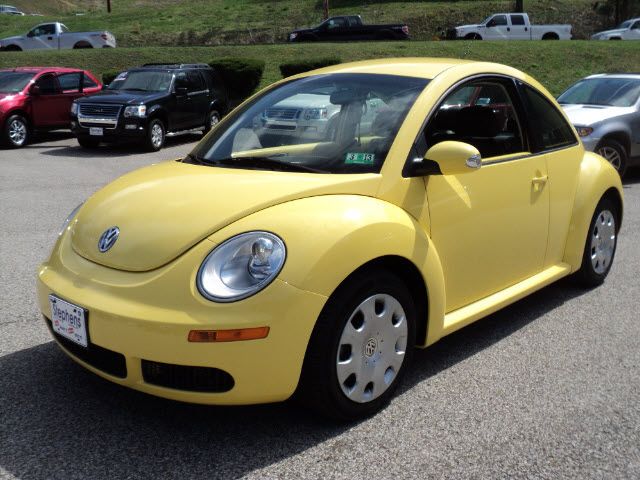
109,75
301,66
241,76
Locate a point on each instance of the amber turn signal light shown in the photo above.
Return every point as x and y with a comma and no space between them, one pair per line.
228,335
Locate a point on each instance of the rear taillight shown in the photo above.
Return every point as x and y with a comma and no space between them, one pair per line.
405,29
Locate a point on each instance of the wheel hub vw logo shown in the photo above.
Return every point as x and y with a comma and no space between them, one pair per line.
108,238
370,347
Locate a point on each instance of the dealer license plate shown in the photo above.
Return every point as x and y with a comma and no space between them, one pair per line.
96,131
69,320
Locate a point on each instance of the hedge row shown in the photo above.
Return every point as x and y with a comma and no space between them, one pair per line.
301,66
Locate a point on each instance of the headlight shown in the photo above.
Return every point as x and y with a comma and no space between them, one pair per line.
135,111
74,108
584,131
292,36
68,219
241,266
315,113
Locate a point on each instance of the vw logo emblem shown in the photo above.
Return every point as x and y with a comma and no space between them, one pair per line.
370,347
108,238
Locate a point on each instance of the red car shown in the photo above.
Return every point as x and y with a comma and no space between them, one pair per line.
39,98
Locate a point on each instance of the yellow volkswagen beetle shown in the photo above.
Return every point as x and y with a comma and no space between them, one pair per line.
323,229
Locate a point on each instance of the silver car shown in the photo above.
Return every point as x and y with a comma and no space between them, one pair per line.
605,109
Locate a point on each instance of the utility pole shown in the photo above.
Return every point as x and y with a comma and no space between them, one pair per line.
109,6
325,8
519,6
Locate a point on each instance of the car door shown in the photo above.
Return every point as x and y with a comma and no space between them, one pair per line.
634,32
518,28
70,89
198,93
497,28
42,37
47,102
489,226
337,29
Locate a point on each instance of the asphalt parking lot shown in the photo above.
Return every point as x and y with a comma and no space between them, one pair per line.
547,388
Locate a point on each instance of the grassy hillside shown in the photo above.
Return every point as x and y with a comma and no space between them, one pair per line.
555,64
213,22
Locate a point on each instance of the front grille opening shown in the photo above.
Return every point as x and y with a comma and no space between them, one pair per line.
183,377
98,357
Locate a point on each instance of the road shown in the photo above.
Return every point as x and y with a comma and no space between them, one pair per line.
547,388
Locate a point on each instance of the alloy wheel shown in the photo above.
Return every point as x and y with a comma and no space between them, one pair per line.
17,132
603,241
157,135
612,155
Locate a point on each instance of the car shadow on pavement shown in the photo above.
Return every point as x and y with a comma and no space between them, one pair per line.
632,176
114,150
59,421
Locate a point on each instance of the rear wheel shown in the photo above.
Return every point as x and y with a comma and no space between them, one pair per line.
155,135
600,245
615,153
550,36
212,120
16,132
360,347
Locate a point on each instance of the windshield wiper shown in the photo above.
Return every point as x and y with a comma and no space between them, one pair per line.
258,162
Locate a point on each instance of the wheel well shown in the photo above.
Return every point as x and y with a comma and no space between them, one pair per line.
12,48
22,113
162,116
550,36
613,195
414,282
620,137
83,44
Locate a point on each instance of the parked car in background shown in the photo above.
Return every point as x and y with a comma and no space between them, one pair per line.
149,103
248,271
349,28
605,109
57,36
39,98
509,26
10,10
627,30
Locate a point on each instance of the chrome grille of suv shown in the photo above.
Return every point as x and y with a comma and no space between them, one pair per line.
282,113
95,114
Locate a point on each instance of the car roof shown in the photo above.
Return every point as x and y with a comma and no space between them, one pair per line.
615,75
43,69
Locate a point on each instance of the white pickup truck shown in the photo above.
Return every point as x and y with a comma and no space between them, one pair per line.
628,30
56,36
509,26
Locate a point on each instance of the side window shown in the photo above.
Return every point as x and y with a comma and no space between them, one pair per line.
195,83
70,82
497,21
48,85
481,113
88,82
181,80
517,20
636,26
549,128
48,29
338,22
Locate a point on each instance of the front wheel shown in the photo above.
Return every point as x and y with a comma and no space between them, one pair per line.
155,135
360,347
600,245
615,153
16,132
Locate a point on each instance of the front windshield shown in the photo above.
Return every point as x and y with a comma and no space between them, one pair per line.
144,81
626,24
613,92
336,123
14,82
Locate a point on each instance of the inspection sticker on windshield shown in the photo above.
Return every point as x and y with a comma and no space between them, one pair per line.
359,158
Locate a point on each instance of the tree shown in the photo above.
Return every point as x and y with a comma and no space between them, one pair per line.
519,6
325,9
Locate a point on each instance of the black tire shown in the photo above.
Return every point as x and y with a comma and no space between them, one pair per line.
88,142
614,152
82,45
550,36
153,143
591,275
473,36
213,118
15,132
12,48
320,388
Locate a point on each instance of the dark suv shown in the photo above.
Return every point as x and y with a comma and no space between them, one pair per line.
150,103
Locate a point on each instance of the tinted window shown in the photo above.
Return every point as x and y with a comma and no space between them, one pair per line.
498,20
70,82
195,82
49,29
143,81
13,82
636,26
610,91
481,114
88,82
337,22
48,85
549,128
517,20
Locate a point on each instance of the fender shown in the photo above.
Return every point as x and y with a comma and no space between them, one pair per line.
219,105
595,178
343,233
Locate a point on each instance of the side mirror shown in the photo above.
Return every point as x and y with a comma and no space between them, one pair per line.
181,91
447,158
35,90
31,34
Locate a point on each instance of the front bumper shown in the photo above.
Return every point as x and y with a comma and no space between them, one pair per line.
126,128
590,143
145,317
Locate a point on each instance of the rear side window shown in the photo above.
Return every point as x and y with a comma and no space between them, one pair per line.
69,82
517,20
88,82
549,128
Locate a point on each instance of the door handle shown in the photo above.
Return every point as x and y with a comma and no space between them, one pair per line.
508,29
539,182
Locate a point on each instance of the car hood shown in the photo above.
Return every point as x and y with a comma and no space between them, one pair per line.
122,97
611,32
10,39
163,210
463,27
587,115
